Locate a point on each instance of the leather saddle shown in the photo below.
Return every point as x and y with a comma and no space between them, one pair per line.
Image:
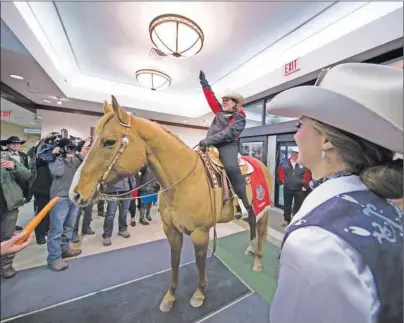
213,155
220,183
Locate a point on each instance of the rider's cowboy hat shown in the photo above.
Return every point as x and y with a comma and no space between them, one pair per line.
363,99
235,96
12,140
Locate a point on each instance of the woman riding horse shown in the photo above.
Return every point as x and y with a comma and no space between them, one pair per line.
228,124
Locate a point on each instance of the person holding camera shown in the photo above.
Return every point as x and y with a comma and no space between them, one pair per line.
14,145
63,215
11,198
41,185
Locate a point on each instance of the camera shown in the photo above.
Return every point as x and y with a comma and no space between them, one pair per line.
5,155
67,145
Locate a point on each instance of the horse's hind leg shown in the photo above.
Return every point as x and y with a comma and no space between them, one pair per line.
175,238
262,230
200,240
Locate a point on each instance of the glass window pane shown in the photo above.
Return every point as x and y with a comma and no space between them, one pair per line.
253,149
254,114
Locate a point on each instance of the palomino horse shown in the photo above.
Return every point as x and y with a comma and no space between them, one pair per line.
122,145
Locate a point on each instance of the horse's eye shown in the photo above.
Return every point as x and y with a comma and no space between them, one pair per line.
108,143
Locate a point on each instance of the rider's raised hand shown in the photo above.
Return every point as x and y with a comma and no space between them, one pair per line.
203,80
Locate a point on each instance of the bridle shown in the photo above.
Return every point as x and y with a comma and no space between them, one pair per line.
123,146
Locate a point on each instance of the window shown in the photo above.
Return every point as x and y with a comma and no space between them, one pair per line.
254,112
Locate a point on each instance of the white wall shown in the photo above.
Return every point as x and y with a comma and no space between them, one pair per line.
271,163
377,33
80,125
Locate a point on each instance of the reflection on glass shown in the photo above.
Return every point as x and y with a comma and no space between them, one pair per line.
253,149
285,152
253,113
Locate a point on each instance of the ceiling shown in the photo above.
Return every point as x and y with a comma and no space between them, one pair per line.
111,39
82,52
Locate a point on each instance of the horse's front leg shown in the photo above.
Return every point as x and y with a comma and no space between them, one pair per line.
200,240
175,239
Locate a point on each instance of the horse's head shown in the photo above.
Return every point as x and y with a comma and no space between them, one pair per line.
117,152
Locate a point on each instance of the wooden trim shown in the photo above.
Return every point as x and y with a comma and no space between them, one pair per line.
13,96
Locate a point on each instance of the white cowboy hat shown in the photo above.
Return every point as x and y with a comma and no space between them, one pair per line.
363,99
232,95
295,149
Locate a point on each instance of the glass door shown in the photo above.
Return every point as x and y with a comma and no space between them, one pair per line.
283,152
255,147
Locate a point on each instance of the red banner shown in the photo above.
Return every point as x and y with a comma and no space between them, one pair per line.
5,114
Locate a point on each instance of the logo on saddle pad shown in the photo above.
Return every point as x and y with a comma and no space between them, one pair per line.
260,192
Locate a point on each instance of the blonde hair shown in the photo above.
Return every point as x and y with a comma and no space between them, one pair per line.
374,164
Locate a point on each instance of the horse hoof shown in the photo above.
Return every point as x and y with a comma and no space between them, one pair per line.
197,299
249,252
166,305
257,268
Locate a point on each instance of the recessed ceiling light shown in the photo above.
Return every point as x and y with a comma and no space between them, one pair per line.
47,101
59,102
14,76
185,121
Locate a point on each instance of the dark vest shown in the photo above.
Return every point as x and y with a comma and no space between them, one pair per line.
293,177
374,227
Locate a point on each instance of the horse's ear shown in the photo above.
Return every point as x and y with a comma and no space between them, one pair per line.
120,113
107,108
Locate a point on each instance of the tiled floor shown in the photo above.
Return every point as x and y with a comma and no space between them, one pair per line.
35,255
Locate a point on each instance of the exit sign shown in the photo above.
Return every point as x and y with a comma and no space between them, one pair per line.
5,114
291,67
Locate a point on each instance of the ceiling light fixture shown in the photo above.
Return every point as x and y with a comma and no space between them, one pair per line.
17,77
59,101
47,101
176,35
153,79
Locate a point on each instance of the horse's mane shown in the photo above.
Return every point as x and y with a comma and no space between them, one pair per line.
102,123
165,129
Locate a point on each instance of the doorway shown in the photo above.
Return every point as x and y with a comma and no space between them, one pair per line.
283,152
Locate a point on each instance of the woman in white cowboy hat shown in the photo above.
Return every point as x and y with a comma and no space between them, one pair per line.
342,255
224,132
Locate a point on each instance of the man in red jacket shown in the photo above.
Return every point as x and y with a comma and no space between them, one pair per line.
224,132
295,180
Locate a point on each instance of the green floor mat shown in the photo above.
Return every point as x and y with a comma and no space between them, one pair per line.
230,250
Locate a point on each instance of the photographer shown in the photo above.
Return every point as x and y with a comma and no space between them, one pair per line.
11,198
63,215
41,186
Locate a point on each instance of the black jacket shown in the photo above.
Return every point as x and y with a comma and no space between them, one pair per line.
226,126
145,177
294,179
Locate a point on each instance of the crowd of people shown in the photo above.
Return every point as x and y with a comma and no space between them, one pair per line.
46,172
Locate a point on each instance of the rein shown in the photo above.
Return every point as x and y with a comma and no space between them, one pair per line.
116,197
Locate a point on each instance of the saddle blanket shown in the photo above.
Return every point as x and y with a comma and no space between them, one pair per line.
261,198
